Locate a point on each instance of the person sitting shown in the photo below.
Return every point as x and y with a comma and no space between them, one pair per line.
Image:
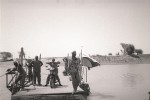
54,65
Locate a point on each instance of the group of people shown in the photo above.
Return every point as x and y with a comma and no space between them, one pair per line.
72,67
34,71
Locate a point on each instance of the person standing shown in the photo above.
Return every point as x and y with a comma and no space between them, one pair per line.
22,74
30,74
36,64
21,55
66,65
74,71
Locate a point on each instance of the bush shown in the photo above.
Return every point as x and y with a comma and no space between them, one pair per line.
110,54
130,49
139,51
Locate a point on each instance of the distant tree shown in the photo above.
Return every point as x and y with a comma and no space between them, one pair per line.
98,55
130,49
138,51
5,55
124,46
110,54
127,48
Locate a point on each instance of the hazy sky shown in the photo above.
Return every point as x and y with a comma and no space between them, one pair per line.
56,27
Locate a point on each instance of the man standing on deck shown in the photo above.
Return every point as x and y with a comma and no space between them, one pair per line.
36,64
74,71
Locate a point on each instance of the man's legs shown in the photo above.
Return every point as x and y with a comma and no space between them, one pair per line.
57,77
75,80
22,81
47,80
39,78
30,75
34,77
18,79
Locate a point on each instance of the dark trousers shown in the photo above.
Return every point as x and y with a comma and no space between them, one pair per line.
56,75
30,75
38,76
48,79
75,80
21,78
57,78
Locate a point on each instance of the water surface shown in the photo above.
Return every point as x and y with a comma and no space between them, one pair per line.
107,82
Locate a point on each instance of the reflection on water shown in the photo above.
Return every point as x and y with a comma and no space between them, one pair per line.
131,79
100,95
109,82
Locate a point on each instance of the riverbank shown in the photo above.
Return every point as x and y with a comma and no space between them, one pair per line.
123,59
114,60
106,60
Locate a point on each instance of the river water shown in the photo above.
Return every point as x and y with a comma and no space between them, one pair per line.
107,82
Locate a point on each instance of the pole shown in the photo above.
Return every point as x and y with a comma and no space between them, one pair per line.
40,57
21,57
6,79
82,63
86,75
68,59
149,95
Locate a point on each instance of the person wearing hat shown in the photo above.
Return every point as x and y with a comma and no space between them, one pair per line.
74,71
36,64
22,74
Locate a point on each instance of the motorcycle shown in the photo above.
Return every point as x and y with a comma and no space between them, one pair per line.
52,77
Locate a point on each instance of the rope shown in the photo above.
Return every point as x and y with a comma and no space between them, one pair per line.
3,75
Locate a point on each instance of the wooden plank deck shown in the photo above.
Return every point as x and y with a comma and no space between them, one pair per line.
47,93
66,89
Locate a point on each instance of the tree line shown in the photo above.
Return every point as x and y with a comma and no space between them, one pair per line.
6,56
129,49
